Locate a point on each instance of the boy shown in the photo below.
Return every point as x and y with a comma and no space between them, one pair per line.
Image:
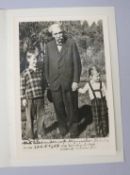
32,94
96,90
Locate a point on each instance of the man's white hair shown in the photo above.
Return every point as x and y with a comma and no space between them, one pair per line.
54,27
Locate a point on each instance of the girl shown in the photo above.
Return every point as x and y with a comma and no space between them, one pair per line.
96,91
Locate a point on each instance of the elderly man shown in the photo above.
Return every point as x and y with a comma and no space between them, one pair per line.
63,69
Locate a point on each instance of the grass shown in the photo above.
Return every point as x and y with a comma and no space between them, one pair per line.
86,126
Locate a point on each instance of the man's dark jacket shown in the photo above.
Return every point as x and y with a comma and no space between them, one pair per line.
64,67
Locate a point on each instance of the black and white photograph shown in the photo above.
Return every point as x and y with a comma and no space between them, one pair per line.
63,80
64,85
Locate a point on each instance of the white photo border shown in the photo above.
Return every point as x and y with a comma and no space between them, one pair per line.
41,157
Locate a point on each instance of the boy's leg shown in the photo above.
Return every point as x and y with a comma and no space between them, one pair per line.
29,120
40,117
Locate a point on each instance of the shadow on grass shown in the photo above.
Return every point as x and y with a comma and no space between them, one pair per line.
52,127
85,117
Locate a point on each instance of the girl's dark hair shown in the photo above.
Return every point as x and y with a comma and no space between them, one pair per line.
91,69
31,50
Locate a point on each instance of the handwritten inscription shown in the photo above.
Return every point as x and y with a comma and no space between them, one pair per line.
63,144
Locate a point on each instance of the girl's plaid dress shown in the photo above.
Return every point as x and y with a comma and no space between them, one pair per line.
100,112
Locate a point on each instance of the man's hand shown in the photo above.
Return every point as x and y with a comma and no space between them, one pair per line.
74,86
24,102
